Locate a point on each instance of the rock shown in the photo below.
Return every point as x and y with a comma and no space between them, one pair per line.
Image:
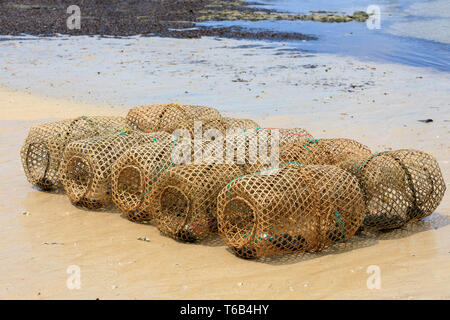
426,120
360,16
144,239
239,80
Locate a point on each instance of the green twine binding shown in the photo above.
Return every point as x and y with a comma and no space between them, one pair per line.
171,164
368,159
310,142
338,217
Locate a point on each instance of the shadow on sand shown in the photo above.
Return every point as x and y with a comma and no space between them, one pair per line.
362,239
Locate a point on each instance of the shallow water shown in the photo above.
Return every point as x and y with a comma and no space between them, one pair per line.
402,37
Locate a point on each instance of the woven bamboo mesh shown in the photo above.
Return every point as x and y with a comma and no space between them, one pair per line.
254,148
222,124
85,169
292,136
305,208
399,186
43,148
185,200
240,123
425,179
249,148
323,151
165,117
207,138
201,125
199,141
135,173
285,136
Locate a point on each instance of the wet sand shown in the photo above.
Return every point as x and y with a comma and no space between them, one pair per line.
37,249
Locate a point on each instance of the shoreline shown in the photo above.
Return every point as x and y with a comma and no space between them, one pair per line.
177,19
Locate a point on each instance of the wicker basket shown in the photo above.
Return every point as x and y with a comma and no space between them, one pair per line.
85,170
305,208
165,117
185,200
399,186
44,146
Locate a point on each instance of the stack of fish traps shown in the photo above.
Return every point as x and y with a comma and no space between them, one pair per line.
265,191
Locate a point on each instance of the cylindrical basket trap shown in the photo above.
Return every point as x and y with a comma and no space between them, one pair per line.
240,123
43,148
85,169
323,151
211,141
305,208
137,171
290,136
399,186
198,126
165,117
257,149
185,200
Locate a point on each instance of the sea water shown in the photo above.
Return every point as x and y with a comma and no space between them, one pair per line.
415,33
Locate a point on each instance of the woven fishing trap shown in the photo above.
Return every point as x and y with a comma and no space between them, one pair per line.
261,146
223,125
185,199
306,208
135,173
201,125
399,186
85,170
207,137
43,148
240,123
323,151
254,149
290,136
165,117
213,141
199,141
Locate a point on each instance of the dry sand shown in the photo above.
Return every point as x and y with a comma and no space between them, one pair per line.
37,249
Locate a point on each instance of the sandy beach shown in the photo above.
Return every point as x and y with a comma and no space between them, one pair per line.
378,104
